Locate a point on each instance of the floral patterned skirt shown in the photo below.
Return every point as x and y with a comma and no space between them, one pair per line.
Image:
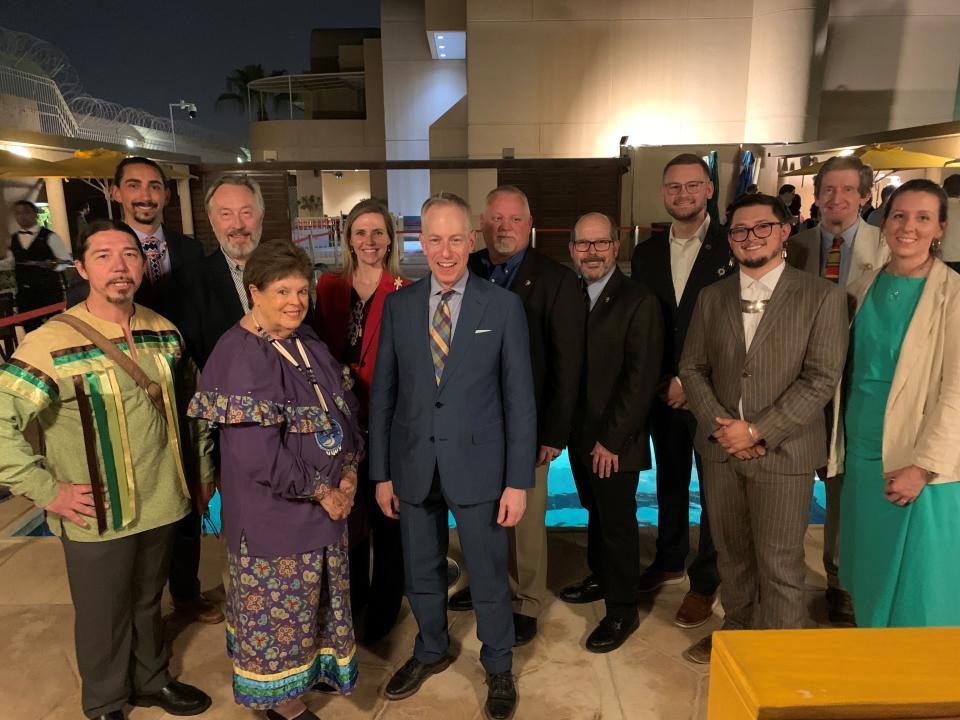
289,624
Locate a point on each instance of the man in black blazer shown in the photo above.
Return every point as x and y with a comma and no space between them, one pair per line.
555,318
676,264
610,445
453,429
140,187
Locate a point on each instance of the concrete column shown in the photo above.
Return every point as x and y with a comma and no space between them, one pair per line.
787,42
58,209
186,208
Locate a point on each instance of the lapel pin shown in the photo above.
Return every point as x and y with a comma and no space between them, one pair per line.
708,247
606,299
397,283
721,272
528,283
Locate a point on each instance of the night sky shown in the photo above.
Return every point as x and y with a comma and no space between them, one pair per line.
151,54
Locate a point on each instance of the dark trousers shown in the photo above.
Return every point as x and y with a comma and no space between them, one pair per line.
185,558
613,539
425,537
382,593
116,587
673,432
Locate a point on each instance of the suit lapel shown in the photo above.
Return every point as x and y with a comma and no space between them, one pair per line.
471,311
606,300
712,262
917,340
778,305
526,277
731,309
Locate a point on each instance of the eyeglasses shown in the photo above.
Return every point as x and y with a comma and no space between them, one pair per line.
760,231
596,245
692,187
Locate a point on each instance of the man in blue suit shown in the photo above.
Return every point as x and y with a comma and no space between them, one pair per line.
453,426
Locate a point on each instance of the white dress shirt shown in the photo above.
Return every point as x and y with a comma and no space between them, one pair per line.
683,254
54,242
760,289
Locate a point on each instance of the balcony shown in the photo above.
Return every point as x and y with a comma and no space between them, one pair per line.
318,96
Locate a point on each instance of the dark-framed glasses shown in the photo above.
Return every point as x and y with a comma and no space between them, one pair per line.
760,231
692,187
596,245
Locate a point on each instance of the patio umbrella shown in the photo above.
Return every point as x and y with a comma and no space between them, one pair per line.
887,157
13,165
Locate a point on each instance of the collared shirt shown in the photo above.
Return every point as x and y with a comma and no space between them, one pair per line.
846,249
502,274
761,289
453,302
161,237
54,242
950,244
595,288
683,254
236,272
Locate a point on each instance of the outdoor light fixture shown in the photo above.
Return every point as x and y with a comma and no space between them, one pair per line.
447,44
191,109
17,150
130,144
338,175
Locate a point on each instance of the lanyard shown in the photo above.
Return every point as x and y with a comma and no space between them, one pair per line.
307,369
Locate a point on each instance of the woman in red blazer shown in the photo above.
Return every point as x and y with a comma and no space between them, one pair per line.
349,308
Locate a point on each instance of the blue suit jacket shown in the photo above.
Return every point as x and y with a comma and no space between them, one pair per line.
479,426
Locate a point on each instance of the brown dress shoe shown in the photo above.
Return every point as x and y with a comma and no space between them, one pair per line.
653,578
695,610
699,652
199,610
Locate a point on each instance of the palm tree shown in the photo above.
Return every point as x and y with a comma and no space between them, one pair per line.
236,85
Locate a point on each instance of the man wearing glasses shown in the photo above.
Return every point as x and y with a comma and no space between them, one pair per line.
609,445
763,356
676,264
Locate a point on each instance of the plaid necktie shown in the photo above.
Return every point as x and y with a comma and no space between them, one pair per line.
155,249
440,330
831,271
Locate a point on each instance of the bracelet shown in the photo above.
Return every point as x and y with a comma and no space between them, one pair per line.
753,435
321,492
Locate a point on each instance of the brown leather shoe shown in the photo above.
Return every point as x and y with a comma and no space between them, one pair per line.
654,578
699,652
199,610
695,610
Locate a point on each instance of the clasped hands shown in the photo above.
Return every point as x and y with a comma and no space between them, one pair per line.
739,438
338,501
903,486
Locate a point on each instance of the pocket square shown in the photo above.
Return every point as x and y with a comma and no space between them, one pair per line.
478,332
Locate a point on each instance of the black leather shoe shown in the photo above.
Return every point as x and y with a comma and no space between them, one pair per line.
586,591
611,633
461,600
408,679
524,629
114,715
177,698
501,696
840,608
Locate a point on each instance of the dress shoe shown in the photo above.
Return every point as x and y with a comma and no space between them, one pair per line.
699,652
177,698
611,633
586,591
840,608
695,610
305,715
461,600
501,696
198,610
653,578
114,715
408,679
524,629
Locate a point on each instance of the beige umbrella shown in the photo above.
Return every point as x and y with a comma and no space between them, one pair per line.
887,157
13,165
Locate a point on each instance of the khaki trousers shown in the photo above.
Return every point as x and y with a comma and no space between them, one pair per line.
528,551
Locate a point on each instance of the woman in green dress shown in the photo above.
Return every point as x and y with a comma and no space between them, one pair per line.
900,508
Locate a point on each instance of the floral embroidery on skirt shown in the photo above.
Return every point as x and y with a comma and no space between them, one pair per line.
289,624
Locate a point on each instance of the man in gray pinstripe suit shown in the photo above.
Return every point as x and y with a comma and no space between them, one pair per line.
763,355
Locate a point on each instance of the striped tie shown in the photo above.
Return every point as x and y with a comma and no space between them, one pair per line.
440,335
831,271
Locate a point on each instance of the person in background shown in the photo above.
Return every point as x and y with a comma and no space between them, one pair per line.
349,309
875,217
289,446
950,243
36,250
897,443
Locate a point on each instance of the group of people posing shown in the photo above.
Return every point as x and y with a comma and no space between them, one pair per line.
341,433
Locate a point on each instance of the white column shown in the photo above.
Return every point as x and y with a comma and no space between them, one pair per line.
186,209
58,209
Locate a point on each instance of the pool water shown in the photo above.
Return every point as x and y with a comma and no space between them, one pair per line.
563,505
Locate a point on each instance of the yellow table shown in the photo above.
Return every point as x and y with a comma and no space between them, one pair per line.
862,674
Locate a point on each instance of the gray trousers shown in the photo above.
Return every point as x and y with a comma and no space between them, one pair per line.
831,531
116,586
759,521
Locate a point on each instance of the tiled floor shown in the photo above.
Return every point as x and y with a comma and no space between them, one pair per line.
558,679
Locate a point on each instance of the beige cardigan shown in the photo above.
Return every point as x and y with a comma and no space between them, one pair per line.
921,423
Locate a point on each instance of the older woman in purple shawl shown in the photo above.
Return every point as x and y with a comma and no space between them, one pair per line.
289,446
